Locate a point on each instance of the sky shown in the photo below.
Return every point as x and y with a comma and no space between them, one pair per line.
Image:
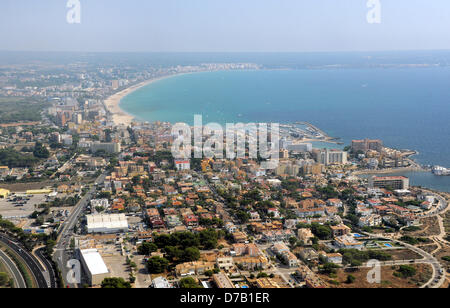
224,25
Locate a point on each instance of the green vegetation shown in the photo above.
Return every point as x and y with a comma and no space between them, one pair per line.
20,109
327,192
4,280
356,257
22,268
329,268
14,159
157,265
206,239
350,279
209,273
40,151
411,229
414,240
147,248
446,258
189,283
115,283
323,232
405,271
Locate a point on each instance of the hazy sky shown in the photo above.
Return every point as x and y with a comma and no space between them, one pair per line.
224,25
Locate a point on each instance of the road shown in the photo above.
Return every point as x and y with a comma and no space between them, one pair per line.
48,265
63,168
19,282
61,257
438,277
36,269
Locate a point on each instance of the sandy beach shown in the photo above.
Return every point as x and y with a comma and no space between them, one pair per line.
119,116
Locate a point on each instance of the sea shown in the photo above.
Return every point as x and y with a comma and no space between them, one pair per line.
406,104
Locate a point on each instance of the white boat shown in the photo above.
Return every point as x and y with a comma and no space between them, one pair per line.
441,171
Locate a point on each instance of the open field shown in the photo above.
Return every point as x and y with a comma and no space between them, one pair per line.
429,227
16,109
446,217
388,280
403,254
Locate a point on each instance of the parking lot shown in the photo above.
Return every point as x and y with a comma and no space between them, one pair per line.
20,209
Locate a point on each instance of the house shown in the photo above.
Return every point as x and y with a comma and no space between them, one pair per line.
252,263
225,263
370,221
273,212
308,254
239,237
277,235
230,227
305,235
193,268
340,230
335,258
334,202
190,221
347,242
240,249
173,221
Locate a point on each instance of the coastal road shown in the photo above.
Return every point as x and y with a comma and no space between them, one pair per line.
61,257
33,264
19,282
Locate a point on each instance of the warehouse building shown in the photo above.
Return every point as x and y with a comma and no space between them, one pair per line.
107,223
94,266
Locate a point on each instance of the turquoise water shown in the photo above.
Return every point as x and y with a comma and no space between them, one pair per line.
408,108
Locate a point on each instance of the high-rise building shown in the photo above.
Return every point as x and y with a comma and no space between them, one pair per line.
391,182
329,157
366,145
108,147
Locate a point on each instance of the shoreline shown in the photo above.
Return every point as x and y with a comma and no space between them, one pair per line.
112,103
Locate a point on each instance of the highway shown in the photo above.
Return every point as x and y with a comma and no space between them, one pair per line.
29,259
48,265
19,282
60,255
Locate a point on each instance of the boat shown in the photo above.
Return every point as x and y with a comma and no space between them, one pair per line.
441,171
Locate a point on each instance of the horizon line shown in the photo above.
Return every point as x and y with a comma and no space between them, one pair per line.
225,52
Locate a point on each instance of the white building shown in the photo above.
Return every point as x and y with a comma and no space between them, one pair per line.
107,223
300,147
94,266
100,203
182,165
161,283
370,220
112,147
329,157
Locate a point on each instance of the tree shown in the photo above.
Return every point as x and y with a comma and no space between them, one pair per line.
329,268
191,254
405,271
157,265
147,248
3,279
40,151
350,279
262,275
189,283
321,231
115,283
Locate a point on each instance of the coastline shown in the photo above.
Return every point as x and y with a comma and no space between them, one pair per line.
112,103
